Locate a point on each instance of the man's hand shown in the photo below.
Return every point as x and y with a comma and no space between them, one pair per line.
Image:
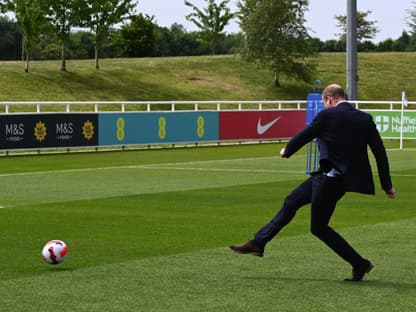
391,192
282,152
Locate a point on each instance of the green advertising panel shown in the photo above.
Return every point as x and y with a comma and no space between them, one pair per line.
389,123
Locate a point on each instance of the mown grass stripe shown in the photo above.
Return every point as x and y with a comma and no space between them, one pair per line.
298,273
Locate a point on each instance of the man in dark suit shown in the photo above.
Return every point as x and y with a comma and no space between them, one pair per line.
343,134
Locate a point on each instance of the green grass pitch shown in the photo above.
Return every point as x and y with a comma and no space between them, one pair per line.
149,231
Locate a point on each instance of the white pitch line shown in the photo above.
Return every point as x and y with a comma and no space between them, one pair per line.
401,150
402,175
148,166
169,167
63,171
177,166
226,170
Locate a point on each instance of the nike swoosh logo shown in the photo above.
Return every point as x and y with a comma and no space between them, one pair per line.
262,129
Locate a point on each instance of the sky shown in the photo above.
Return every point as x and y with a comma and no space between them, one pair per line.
390,15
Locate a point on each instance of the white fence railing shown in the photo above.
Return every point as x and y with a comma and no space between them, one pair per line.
391,104
124,106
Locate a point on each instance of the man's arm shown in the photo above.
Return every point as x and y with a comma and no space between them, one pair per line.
379,152
302,137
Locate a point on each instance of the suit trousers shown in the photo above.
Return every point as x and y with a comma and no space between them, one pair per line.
323,193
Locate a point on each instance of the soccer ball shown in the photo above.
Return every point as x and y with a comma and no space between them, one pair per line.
54,251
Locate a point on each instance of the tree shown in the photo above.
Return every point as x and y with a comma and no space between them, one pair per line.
411,19
100,16
366,29
386,45
10,39
211,20
176,41
402,43
81,45
366,46
275,36
30,16
61,16
138,38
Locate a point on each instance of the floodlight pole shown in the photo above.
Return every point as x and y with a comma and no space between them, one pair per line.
352,75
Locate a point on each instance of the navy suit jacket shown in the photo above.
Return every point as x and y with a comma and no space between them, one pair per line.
344,134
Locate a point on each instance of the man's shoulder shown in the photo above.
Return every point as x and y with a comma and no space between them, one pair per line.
336,110
344,111
345,107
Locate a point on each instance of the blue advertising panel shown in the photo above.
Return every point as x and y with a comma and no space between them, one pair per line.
313,105
157,127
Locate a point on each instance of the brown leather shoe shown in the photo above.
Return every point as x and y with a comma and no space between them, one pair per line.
359,271
248,248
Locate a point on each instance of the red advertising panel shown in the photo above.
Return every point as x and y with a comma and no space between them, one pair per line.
239,125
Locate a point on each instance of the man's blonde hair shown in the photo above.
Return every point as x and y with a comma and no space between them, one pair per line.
335,91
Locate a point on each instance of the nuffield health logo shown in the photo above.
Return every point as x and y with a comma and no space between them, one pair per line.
383,123
393,124
407,124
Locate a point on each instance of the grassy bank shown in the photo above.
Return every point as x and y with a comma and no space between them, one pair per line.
382,77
